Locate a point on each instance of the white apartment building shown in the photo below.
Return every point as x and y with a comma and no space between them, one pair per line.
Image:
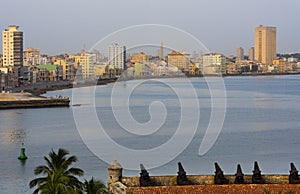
117,56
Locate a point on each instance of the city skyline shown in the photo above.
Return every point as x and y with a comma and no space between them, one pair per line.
66,31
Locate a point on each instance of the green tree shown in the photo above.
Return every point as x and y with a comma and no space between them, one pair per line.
94,187
59,175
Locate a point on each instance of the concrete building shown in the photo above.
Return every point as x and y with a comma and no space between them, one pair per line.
240,54
139,58
12,50
12,47
63,64
31,57
180,60
141,70
214,64
161,51
117,56
298,67
68,68
251,54
47,72
265,44
86,62
100,70
280,65
1,60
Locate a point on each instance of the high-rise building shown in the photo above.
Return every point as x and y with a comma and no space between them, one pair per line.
117,56
161,51
12,47
265,44
239,54
251,54
1,61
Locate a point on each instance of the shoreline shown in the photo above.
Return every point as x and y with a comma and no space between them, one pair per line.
28,100
42,88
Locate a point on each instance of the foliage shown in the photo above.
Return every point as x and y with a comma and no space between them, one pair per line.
94,187
58,177
294,55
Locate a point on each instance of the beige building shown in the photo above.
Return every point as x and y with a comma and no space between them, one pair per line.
265,44
214,63
139,58
12,47
239,54
31,57
63,64
99,70
68,71
179,60
251,54
192,69
86,62
232,68
281,65
1,60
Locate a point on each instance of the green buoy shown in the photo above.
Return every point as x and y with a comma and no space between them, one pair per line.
22,155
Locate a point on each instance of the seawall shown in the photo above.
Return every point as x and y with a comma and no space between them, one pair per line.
27,100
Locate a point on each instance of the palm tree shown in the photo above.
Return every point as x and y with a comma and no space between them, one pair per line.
94,187
59,175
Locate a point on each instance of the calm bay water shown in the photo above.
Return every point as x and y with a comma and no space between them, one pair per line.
262,123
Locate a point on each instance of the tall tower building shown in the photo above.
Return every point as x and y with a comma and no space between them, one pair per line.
161,51
239,54
117,56
12,47
265,44
251,54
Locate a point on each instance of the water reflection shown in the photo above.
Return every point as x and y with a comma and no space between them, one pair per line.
13,136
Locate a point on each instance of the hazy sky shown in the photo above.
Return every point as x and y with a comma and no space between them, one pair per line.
67,26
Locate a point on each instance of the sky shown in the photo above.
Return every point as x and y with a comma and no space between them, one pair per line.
68,26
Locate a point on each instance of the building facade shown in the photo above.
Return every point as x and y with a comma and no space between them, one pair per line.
117,56
180,60
139,58
240,54
214,63
31,57
12,47
86,62
251,54
265,44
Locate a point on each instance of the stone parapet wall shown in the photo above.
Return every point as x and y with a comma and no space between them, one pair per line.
219,189
189,184
203,180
